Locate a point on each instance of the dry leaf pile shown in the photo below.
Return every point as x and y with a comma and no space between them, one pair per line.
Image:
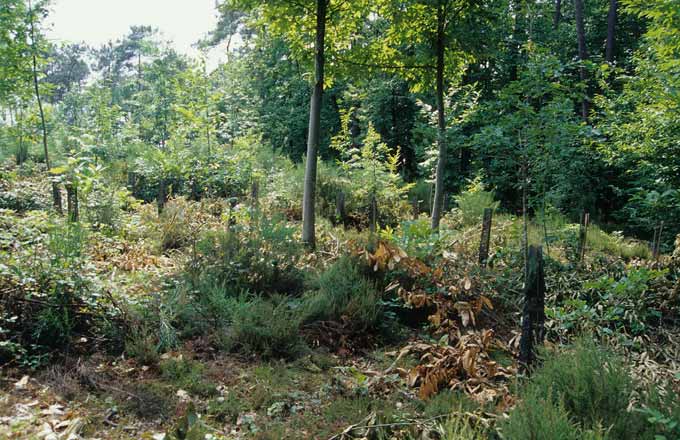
461,359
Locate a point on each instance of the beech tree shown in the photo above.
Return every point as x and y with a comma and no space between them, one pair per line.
432,41
305,24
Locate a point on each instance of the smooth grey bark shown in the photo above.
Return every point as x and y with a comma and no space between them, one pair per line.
441,123
611,30
582,52
308,198
56,194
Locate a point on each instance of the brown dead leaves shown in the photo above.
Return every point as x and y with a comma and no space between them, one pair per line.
464,365
461,360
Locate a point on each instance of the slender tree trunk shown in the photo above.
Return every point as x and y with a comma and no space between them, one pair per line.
139,70
56,194
558,14
582,52
207,104
314,128
441,123
611,30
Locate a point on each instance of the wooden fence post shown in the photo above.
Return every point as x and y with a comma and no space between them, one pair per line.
533,313
583,235
162,196
56,196
486,237
656,243
254,195
232,204
340,215
72,202
373,220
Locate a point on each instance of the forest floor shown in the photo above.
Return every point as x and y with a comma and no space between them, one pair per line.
344,384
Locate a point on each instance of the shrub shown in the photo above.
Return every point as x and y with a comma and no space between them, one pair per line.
628,304
142,345
343,293
269,328
187,375
584,386
539,417
263,260
472,202
226,409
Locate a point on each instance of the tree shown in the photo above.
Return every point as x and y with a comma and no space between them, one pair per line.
67,67
56,193
611,30
582,53
300,23
440,36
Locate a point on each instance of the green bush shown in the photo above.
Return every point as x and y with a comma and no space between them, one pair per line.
187,375
343,293
539,417
269,328
584,386
142,345
470,204
262,260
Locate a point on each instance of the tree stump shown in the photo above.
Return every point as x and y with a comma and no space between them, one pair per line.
533,314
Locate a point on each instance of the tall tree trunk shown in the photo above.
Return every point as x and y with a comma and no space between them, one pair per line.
56,194
558,14
611,30
441,123
582,52
308,198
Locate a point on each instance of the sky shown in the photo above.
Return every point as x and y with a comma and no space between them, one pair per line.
98,21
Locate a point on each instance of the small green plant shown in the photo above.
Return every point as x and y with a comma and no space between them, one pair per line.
267,327
187,375
472,202
583,386
628,303
142,345
226,409
343,293
539,417
461,427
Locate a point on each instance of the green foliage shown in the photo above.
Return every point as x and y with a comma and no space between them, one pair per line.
187,375
262,260
582,392
142,345
472,202
629,303
269,328
343,293
226,409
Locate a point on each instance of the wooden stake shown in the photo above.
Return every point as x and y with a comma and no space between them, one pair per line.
72,202
533,314
486,237
162,196
340,208
583,235
373,225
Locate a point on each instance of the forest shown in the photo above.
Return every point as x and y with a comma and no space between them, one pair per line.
376,219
